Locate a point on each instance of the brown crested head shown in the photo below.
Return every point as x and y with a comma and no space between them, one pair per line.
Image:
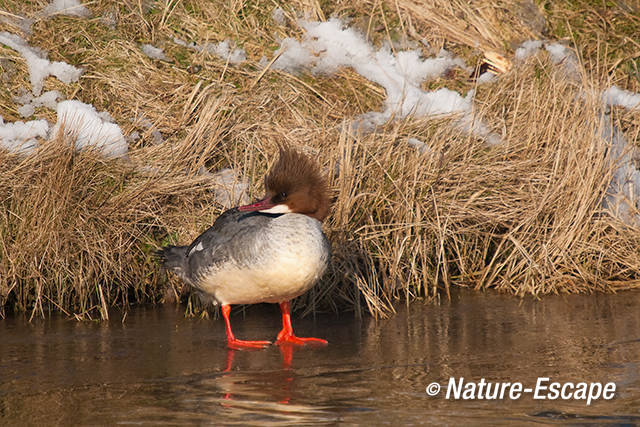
294,184
297,181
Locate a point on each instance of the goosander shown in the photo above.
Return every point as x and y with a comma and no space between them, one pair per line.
270,251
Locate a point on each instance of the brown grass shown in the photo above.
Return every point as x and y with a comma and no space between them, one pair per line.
77,231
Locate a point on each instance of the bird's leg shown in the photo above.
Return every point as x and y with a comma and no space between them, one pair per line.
234,343
286,334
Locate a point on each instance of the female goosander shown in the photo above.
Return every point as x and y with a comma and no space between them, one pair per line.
269,251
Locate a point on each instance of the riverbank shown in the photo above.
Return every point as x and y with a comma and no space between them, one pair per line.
524,181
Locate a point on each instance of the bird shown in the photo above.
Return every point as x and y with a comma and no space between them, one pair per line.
270,251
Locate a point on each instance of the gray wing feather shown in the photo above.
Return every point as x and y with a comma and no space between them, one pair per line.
228,238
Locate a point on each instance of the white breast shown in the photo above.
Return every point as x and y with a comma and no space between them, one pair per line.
287,258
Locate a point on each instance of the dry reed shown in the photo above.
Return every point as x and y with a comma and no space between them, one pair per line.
77,231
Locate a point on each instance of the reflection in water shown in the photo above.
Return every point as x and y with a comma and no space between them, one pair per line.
158,367
287,356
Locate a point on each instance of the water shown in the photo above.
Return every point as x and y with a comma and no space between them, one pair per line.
158,367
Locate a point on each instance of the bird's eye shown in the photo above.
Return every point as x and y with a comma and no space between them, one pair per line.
283,195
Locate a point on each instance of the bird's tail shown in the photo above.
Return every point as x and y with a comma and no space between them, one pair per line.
173,258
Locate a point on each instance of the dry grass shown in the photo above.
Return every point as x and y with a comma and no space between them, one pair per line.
76,231
496,25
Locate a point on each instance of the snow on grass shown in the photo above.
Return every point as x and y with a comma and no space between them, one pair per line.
133,136
39,66
48,99
278,16
229,188
527,49
561,54
153,52
487,77
225,49
145,123
20,137
472,126
66,7
294,56
155,133
328,46
82,123
558,53
623,196
615,96
622,199
179,41
19,21
420,146
109,19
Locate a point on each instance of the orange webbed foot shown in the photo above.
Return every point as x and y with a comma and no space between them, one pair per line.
286,335
247,345
287,338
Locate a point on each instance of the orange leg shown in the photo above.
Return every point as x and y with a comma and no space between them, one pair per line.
234,343
286,334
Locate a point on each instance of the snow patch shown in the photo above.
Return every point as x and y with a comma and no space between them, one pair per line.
328,46
153,52
133,136
20,137
66,7
294,56
39,66
527,49
486,77
155,133
623,196
225,49
620,97
83,123
419,145
19,21
560,54
29,103
229,188
472,126
109,19
278,16
183,43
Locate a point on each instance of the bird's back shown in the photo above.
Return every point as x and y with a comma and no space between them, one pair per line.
226,240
